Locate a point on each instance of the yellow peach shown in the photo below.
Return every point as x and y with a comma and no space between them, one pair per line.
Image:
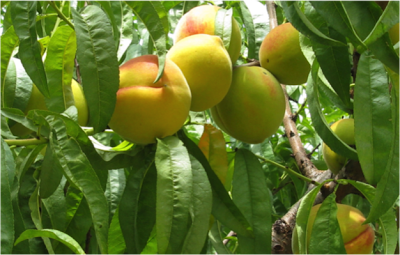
254,107
207,67
145,110
201,20
280,53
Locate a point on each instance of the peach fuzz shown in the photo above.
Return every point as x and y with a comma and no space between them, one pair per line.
145,110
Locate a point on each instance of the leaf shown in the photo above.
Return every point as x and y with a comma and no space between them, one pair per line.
188,5
129,212
223,26
116,242
372,117
326,237
335,65
56,205
123,17
174,199
54,234
387,221
59,66
23,14
387,20
363,17
302,219
8,87
304,26
155,18
23,87
9,41
318,119
200,209
223,208
79,172
387,189
50,174
7,213
212,144
98,63
336,16
250,193
216,239
250,29
115,187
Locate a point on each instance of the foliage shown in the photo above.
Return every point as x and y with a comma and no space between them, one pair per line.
72,189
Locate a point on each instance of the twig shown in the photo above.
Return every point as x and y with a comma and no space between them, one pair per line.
225,241
25,142
316,147
296,114
61,15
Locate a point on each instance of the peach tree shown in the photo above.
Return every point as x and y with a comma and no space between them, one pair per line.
69,186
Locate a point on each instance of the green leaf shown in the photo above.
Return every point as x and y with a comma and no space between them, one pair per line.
364,16
54,234
116,242
302,219
336,16
79,172
174,194
200,209
115,187
387,222
9,41
7,213
98,64
387,20
335,65
304,26
56,205
387,190
50,174
155,18
250,193
23,86
188,5
223,26
326,237
215,236
223,208
255,19
23,14
8,87
135,233
320,124
123,18
372,117
59,66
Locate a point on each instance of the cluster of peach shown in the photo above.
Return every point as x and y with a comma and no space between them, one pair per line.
247,102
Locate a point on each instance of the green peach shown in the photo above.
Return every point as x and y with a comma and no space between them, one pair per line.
201,20
145,110
280,53
357,238
254,107
206,66
344,129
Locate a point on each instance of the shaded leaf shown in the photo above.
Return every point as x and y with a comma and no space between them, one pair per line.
223,26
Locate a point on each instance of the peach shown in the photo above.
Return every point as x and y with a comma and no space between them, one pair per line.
200,20
357,238
206,66
280,53
344,129
254,107
145,110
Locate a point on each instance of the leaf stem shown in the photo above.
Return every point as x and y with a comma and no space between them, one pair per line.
25,142
289,170
61,15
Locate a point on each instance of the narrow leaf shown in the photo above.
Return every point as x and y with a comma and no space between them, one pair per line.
250,193
174,189
223,208
7,213
326,237
304,26
188,5
250,29
372,117
155,18
9,41
98,63
59,65
54,234
216,237
78,171
387,190
320,124
23,14
116,242
223,26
